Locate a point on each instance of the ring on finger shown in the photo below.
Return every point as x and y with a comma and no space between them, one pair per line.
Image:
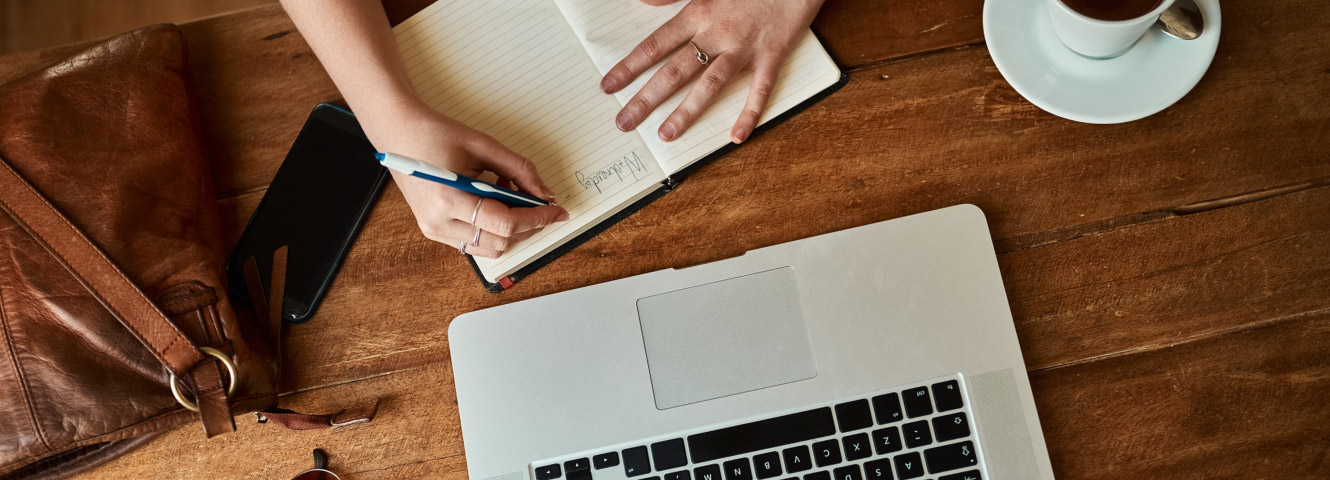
476,240
702,57
461,247
475,213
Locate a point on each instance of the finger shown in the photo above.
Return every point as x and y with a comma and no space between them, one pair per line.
454,233
677,71
486,244
708,87
498,245
651,51
499,219
657,3
508,165
764,81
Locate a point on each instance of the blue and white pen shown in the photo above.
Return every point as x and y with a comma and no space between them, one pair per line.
419,169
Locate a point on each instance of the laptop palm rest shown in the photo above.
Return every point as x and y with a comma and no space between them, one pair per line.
724,338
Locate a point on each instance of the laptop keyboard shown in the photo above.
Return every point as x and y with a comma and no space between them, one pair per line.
920,431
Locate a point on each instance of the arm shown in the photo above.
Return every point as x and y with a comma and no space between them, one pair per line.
354,42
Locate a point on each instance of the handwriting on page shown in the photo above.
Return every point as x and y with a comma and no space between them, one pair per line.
627,167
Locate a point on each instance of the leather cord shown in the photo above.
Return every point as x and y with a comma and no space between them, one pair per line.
363,412
269,308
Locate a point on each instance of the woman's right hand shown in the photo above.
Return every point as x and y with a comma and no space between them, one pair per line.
444,213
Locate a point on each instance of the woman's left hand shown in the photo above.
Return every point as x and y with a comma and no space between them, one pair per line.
736,36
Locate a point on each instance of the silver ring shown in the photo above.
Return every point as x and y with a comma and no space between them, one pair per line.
461,247
476,212
476,240
701,57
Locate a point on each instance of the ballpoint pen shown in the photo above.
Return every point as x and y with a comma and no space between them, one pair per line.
419,169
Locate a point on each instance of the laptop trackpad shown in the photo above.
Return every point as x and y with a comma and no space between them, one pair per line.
727,337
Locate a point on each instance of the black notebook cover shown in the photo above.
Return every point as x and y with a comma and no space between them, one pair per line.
669,184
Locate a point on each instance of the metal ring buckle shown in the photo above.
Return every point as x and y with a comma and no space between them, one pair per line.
230,369
316,470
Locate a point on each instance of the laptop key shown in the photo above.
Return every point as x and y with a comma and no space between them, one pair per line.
679,475
917,402
738,469
888,408
605,460
577,465
909,466
947,395
818,475
761,435
826,452
548,472
916,434
854,416
886,440
848,472
636,462
797,459
707,472
879,469
951,457
951,427
970,475
668,454
767,465
856,447
578,475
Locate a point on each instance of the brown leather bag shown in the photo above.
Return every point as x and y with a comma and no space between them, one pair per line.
111,264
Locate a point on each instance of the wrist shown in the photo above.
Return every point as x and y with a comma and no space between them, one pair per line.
389,119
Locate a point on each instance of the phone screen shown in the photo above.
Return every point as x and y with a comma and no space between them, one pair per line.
315,205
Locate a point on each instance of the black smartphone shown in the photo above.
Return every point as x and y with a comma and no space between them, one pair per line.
315,204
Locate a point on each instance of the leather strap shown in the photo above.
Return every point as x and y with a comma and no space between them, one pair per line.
270,306
276,304
210,395
102,278
363,412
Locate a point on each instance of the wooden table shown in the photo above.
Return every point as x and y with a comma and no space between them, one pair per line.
1170,277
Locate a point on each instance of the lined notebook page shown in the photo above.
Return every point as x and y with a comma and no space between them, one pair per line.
514,70
609,30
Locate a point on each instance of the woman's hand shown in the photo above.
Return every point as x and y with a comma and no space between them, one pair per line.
355,45
736,35
444,213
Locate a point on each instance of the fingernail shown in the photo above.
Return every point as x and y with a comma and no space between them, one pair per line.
608,85
667,131
624,122
740,135
563,217
549,194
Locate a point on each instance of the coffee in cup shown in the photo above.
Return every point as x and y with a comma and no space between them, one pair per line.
1103,28
1113,10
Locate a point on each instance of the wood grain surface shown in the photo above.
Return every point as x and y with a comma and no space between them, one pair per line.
1168,276
34,24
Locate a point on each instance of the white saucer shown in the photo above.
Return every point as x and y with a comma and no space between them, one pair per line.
1158,71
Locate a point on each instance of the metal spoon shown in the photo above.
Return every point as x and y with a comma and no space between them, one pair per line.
1182,20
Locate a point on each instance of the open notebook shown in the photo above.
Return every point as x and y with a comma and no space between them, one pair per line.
527,72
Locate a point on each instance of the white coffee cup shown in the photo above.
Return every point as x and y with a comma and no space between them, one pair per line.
1099,38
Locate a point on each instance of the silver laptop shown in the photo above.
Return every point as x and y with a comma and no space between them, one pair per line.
880,352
